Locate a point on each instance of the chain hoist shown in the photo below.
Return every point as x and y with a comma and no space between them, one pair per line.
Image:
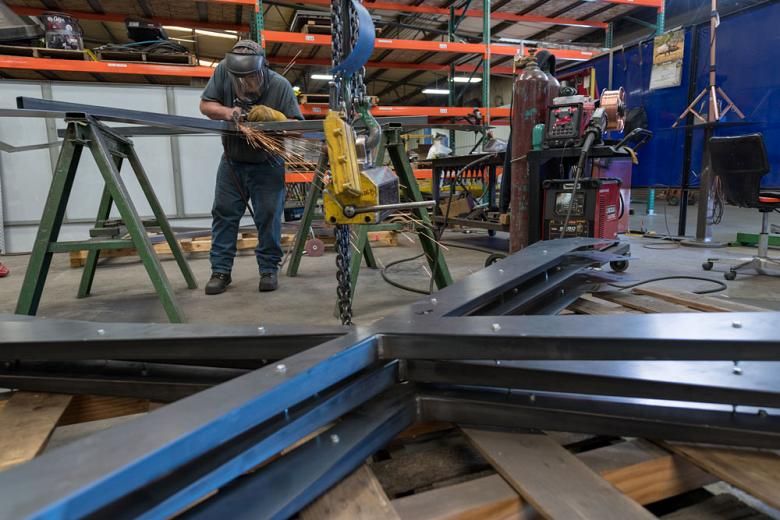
359,192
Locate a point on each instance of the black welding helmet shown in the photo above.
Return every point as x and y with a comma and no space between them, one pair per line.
247,68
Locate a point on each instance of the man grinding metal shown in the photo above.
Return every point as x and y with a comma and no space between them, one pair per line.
243,87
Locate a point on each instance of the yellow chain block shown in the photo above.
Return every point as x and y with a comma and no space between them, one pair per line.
344,167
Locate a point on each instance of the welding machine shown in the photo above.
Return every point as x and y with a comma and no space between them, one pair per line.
593,209
569,117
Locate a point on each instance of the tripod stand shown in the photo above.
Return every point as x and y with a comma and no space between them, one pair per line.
714,95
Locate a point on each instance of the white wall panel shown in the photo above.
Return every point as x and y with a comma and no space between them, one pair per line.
199,157
26,175
154,152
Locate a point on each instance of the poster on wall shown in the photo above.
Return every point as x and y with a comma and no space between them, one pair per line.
667,60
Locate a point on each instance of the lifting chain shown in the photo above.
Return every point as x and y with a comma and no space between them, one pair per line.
345,95
343,275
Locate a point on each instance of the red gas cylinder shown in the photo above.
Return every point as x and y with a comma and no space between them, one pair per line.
530,98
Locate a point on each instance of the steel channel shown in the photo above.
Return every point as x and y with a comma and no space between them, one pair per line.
639,418
291,482
131,455
714,383
685,337
62,340
197,479
27,107
162,391
485,286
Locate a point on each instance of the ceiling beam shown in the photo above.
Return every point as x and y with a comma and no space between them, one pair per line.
203,11
546,33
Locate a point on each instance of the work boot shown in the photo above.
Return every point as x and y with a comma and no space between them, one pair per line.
268,282
218,283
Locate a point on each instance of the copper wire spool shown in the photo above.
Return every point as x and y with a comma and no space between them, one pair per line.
614,104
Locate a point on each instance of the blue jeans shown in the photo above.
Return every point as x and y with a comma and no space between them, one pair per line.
263,185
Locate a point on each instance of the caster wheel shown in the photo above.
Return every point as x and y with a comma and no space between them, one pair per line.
731,275
491,232
619,266
673,200
707,266
492,259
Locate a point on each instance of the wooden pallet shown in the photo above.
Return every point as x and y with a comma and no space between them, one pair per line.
246,241
464,473
145,57
42,52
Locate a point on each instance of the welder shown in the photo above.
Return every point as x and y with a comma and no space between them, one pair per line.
243,87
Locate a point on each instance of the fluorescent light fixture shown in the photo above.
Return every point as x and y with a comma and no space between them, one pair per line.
323,77
510,40
176,28
436,91
208,63
576,24
216,34
466,79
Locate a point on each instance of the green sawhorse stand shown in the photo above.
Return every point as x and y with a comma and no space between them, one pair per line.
393,146
109,151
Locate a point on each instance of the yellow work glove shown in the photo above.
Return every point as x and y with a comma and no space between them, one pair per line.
260,113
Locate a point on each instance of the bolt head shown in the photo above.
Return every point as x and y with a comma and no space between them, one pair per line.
736,324
496,327
434,301
334,439
261,330
736,370
281,368
101,332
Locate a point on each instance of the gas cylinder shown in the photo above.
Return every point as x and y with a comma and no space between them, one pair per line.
530,98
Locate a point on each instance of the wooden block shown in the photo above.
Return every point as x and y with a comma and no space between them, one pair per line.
642,303
645,472
486,497
596,308
755,472
503,219
359,496
719,507
85,408
554,481
26,422
698,301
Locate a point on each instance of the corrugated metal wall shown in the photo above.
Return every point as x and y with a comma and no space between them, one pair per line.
182,169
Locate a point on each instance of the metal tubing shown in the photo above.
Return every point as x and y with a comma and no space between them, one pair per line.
630,418
316,466
705,382
63,340
131,455
688,337
164,498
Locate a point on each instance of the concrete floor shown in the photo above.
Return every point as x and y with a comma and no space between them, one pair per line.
122,291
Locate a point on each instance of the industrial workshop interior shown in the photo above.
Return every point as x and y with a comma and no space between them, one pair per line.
389,260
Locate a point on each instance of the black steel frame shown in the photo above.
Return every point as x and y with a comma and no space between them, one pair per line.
470,354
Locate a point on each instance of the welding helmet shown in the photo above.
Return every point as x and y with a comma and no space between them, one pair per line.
248,72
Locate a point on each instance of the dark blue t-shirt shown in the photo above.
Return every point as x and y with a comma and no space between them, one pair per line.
278,95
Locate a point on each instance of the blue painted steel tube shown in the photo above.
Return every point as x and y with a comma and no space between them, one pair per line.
134,454
271,493
258,448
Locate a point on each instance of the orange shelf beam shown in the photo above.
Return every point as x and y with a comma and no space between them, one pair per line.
321,109
434,67
103,67
427,46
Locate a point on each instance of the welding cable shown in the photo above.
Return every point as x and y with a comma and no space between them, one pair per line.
392,282
721,286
